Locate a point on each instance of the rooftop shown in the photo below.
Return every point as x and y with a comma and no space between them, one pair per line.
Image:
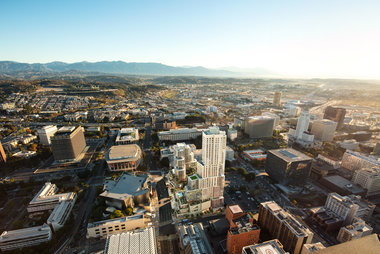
117,220
125,186
24,233
366,244
298,228
129,152
290,155
138,241
272,247
235,209
343,183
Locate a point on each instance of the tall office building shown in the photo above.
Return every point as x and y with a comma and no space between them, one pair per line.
336,115
3,157
259,126
302,124
323,130
45,133
68,143
288,165
285,227
368,178
277,99
208,183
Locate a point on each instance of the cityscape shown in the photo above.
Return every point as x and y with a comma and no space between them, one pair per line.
110,157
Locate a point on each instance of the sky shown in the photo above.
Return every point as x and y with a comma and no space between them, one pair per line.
323,38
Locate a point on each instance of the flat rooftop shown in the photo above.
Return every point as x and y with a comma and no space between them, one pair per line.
272,247
235,209
117,220
290,154
366,244
24,233
66,129
343,183
130,152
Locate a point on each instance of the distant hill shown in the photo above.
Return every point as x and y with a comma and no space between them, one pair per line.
118,67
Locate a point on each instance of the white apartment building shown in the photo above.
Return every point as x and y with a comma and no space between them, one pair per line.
368,178
323,130
26,237
349,207
127,136
183,159
47,199
45,133
105,228
208,183
357,230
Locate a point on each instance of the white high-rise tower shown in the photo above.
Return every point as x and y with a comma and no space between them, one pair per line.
302,124
208,183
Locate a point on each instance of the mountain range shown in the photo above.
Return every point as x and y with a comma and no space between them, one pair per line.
130,68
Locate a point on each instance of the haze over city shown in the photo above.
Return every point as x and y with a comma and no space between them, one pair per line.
309,39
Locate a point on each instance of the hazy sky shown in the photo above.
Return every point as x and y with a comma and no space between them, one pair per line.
323,38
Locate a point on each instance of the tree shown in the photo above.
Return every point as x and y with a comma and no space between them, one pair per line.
116,214
128,211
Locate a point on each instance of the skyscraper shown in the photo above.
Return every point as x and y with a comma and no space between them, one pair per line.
208,183
3,157
302,124
68,143
277,99
324,130
336,115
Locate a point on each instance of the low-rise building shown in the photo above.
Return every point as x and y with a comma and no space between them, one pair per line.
26,237
127,191
60,214
47,198
127,136
356,230
140,241
193,239
341,185
123,157
312,247
255,155
105,228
